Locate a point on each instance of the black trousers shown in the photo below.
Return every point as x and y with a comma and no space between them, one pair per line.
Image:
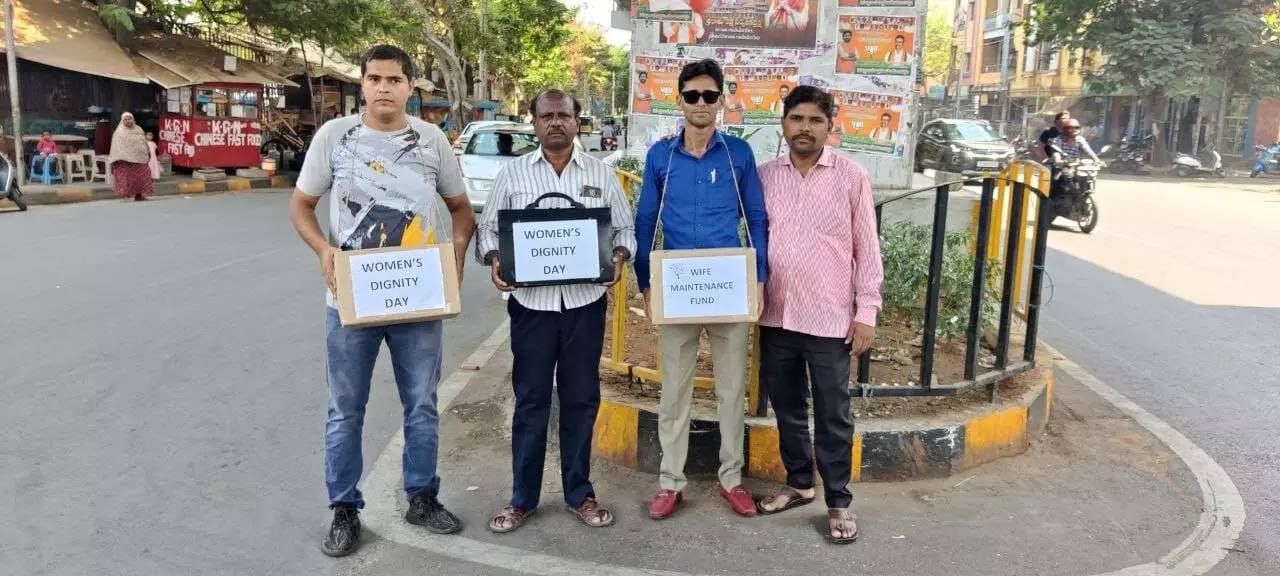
564,346
784,358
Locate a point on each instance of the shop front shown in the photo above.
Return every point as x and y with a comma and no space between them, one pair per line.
213,125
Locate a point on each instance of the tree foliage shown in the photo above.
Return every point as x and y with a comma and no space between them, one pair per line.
937,41
1162,49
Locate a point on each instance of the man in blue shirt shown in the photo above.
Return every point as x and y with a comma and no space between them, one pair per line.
699,185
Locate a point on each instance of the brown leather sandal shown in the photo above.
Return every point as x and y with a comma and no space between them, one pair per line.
593,514
508,520
837,519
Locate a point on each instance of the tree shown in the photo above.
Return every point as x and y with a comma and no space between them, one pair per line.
1162,49
937,42
528,44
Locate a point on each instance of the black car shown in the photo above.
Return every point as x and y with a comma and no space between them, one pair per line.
968,147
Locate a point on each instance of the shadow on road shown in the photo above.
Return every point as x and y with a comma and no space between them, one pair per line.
1209,371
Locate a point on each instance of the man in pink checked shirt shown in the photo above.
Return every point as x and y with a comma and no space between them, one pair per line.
820,304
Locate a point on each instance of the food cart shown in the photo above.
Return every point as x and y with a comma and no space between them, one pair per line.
212,125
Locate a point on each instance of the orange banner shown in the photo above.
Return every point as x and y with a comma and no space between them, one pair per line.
654,85
868,122
746,24
877,45
754,94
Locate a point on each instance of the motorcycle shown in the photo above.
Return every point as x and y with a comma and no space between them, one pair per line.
608,143
9,184
1074,183
1210,161
1129,162
1024,149
1267,159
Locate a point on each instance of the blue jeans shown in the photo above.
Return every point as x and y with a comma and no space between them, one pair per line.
349,357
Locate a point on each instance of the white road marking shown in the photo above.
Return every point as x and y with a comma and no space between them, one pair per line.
1222,520
1219,527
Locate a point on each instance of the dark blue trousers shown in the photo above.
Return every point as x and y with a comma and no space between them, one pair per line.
563,346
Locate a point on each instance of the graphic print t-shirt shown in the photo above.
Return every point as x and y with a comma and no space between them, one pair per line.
385,188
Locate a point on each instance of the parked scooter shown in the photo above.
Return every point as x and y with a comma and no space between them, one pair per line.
1210,161
1268,157
9,184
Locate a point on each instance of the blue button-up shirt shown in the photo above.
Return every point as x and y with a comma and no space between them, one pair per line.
701,208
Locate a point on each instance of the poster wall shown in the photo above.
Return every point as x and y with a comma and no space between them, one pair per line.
654,83
870,123
746,24
754,94
673,10
877,3
877,45
763,68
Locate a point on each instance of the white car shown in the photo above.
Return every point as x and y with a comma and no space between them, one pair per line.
461,143
488,150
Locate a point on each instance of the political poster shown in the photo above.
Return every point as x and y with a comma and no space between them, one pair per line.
754,94
876,45
745,24
877,3
868,123
654,85
671,10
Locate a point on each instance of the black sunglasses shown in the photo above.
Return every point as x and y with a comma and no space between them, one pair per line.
708,96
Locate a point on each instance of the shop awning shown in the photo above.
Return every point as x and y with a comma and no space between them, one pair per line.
183,61
68,34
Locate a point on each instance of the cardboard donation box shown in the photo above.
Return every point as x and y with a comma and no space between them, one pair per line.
397,285
545,247
715,286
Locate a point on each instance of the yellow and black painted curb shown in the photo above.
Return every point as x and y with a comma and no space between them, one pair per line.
72,193
628,436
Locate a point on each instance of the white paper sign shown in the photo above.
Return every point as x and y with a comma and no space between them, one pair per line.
397,282
553,251
705,286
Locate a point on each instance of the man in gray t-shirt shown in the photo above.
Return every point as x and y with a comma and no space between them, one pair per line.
392,180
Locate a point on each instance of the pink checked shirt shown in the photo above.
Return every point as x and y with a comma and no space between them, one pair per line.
824,253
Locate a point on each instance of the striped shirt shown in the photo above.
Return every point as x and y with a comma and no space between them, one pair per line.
526,178
824,253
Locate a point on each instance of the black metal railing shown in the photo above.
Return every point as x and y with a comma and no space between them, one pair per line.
1016,234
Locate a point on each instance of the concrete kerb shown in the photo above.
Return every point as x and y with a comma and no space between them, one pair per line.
1219,527
74,193
898,449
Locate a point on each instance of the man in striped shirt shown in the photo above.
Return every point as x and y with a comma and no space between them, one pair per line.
556,331
820,304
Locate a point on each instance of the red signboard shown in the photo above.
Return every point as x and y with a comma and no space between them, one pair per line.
211,142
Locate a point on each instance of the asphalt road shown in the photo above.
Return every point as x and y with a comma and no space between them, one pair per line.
163,392
1175,301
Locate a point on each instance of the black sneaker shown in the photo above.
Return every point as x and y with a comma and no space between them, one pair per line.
344,534
426,511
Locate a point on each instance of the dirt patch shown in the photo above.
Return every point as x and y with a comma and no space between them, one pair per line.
895,362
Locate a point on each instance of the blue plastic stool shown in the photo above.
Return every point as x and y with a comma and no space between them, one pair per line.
44,174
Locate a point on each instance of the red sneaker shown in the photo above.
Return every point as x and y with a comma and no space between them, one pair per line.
740,500
664,504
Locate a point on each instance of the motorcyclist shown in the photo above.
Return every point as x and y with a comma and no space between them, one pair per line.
1066,147
1071,145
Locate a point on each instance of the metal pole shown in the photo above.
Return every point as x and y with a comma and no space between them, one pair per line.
613,93
19,166
935,284
1004,67
482,94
